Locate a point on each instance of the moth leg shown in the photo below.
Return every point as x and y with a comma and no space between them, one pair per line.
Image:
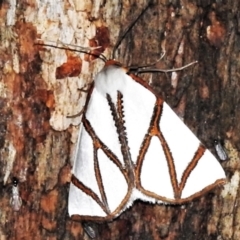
85,91
76,115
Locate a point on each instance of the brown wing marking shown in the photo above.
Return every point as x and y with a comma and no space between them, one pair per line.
197,156
89,192
155,131
99,180
118,116
98,144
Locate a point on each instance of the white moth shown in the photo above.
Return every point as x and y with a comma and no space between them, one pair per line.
133,146
220,150
15,200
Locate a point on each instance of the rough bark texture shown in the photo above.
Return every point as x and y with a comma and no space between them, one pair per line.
38,92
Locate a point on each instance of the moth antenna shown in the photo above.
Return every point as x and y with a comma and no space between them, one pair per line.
75,48
135,68
122,36
167,70
81,112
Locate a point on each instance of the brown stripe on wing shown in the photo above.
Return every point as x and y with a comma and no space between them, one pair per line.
118,118
89,192
141,156
197,156
98,144
120,109
156,131
99,180
146,141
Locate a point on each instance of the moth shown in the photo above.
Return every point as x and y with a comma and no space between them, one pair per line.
15,200
133,146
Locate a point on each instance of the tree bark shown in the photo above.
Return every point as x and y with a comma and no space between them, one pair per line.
39,90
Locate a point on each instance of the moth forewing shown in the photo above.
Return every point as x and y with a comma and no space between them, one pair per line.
175,159
106,171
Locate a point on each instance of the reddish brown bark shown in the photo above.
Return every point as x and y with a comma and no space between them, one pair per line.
206,95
